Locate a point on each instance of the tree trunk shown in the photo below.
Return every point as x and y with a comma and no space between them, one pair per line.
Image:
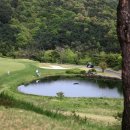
123,31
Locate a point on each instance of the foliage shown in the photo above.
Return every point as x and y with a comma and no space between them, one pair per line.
51,56
60,31
60,95
68,56
114,60
75,71
103,66
84,60
5,11
92,71
118,116
45,25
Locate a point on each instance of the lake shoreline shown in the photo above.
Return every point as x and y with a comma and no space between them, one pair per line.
103,77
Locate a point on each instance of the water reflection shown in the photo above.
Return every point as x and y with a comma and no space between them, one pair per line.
111,84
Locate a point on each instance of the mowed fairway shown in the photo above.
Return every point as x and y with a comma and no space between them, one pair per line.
28,112
10,65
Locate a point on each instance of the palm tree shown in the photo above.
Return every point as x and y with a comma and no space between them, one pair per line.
123,31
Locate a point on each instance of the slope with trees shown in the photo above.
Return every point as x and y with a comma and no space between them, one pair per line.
81,25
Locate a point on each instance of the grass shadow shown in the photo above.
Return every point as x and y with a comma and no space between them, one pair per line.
11,102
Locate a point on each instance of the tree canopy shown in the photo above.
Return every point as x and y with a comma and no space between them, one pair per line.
47,24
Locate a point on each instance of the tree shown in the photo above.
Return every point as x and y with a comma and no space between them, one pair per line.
5,12
68,56
103,66
123,31
14,3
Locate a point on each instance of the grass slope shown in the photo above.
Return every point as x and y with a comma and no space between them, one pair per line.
21,111
10,65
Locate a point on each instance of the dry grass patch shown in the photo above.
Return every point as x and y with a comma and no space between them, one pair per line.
17,119
93,117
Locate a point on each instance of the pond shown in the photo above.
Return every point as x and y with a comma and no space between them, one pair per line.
74,88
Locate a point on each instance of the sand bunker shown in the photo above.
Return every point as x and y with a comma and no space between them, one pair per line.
53,67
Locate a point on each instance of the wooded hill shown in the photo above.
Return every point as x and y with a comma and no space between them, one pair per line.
81,25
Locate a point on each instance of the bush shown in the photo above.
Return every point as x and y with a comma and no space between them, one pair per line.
92,71
118,116
48,57
60,95
84,60
117,68
114,60
75,71
103,66
68,56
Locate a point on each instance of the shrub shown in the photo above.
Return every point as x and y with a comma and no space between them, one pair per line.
68,56
82,72
113,60
118,116
84,60
92,71
60,95
103,66
75,71
52,56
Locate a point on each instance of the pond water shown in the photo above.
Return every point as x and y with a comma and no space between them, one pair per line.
74,88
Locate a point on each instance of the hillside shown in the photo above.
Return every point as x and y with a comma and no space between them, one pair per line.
47,24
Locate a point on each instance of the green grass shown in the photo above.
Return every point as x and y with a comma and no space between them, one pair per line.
10,65
75,71
21,111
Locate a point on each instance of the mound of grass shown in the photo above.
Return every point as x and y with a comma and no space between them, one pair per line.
75,71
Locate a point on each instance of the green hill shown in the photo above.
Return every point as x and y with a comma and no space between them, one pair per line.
47,24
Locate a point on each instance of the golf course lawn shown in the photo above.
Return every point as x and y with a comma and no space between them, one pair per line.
28,112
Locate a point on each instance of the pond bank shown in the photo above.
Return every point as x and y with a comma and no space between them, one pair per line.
103,77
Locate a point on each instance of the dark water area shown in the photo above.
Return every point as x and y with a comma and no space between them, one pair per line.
75,88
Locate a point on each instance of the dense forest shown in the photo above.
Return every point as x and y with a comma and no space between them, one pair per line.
35,28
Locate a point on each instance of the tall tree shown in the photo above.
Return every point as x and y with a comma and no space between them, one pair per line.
123,30
14,3
5,11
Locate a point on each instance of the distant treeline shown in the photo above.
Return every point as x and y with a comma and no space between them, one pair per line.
41,25
66,55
